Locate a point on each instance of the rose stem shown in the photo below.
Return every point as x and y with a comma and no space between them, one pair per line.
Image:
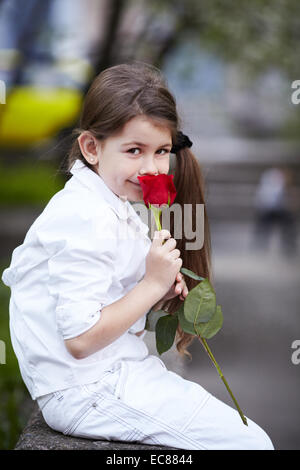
203,341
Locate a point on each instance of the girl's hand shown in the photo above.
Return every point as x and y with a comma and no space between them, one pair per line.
178,288
163,263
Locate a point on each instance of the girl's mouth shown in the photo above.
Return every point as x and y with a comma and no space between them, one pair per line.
136,184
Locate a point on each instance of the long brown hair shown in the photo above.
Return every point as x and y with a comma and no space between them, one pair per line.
120,93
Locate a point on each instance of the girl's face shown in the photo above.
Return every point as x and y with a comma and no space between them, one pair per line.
141,148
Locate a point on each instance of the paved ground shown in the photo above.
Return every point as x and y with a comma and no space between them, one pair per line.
260,297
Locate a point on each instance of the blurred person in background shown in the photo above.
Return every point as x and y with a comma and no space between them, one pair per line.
274,210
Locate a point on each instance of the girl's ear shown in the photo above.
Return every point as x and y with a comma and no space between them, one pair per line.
88,146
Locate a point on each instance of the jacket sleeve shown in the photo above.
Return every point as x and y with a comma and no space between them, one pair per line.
82,249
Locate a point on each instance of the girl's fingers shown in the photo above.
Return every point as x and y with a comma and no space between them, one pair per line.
160,236
181,288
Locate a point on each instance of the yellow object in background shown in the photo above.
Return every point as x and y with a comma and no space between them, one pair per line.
32,114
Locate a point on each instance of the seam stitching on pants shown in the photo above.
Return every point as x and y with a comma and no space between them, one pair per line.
120,420
80,419
195,412
155,421
154,440
132,431
134,435
46,403
121,384
81,412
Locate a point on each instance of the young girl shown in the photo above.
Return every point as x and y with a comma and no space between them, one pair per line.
80,290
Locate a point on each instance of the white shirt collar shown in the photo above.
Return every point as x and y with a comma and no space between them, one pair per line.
94,182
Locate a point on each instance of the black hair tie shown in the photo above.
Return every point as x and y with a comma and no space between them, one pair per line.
182,141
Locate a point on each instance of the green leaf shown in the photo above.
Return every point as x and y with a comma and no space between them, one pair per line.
200,303
191,274
185,325
152,317
165,330
209,329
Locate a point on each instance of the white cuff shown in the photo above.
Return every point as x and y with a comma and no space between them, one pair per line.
75,319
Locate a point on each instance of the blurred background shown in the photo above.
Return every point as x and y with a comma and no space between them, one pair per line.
231,66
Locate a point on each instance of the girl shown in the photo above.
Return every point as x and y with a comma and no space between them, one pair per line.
81,290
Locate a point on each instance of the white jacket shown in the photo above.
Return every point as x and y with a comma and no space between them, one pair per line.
86,250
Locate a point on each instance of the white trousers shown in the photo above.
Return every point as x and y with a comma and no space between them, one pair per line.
142,401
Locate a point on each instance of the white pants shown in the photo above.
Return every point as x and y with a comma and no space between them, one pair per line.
142,401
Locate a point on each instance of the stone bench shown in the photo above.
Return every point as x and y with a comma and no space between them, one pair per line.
37,435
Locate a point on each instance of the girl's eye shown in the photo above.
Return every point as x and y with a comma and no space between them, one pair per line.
130,150
136,148
164,150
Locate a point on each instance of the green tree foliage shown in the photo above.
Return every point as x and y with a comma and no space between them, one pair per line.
259,34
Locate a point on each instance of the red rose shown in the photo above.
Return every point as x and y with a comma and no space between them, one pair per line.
158,190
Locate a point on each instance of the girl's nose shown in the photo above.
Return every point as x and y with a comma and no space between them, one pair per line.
149,169
143,173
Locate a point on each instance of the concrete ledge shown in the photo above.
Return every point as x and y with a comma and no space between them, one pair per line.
37,435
